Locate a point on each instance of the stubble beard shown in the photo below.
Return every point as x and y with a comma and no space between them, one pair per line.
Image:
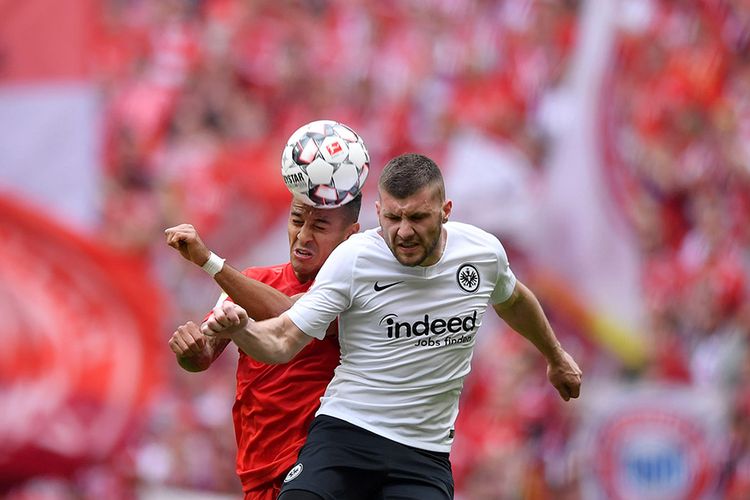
428,250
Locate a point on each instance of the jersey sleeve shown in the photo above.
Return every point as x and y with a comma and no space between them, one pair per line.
329,295
506,280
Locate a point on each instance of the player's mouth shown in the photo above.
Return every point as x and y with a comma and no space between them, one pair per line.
407,246
303,254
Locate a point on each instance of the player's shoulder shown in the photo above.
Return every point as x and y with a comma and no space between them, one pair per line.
262,273
365,236
358,241
359,246
471,233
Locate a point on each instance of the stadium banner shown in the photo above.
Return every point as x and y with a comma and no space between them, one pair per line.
50,107
81,353
650,442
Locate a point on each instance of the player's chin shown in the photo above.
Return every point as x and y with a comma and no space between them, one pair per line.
305,264
409,258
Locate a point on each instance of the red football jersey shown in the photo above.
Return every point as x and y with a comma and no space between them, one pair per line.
275,404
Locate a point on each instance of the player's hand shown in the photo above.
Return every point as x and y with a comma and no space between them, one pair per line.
186,240
226,319
187,340
564,374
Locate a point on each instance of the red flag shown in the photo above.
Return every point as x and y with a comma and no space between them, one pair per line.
81,354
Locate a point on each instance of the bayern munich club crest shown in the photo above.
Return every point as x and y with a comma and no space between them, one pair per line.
650,454
293,473
468,278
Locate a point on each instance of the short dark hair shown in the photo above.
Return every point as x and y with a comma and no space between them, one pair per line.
406,174
351,209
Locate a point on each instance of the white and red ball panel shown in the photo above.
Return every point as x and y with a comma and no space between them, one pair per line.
325,163
346,177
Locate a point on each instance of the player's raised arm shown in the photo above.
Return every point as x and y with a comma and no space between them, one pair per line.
522,312
273,341
258,299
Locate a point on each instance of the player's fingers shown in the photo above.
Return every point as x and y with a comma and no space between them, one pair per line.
232,312
232,318
564,392
180,236
190,334
195,332
241,313
178,345
169,237
574,389
574,380
216,323
205,330
173,346
171,231
218,315
182,230
211,327
176,227
179,227
173,239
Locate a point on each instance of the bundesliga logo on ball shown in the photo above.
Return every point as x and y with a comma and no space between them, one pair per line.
325,163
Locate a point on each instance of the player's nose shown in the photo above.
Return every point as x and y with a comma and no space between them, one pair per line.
305,233
405,231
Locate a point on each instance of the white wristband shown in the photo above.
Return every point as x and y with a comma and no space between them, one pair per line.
213,265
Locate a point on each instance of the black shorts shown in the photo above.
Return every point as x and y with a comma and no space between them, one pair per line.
341,461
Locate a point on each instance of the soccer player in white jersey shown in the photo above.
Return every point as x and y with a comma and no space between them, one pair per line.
409,296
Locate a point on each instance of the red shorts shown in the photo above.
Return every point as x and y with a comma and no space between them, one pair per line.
269,493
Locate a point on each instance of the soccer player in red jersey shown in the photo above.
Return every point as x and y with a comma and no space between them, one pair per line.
275,403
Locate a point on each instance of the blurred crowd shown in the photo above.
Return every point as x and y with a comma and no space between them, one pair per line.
203,94
677,133
200,96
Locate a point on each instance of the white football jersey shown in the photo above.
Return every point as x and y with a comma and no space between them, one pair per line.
406,333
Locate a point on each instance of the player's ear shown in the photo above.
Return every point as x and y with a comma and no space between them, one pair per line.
446,209
354,228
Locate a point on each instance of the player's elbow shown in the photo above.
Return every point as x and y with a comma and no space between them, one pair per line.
286,348
279,345
286,351
277,352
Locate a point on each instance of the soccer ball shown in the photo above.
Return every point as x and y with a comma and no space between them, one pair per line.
325,164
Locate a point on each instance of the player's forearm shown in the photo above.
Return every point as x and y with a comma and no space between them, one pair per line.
273,341
258,299
525,316
200,362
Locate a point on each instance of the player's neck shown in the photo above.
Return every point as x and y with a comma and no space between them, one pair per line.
435,257
303,277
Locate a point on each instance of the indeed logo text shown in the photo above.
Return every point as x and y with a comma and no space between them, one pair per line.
456,324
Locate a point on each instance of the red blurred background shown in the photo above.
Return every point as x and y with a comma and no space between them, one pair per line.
605,142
